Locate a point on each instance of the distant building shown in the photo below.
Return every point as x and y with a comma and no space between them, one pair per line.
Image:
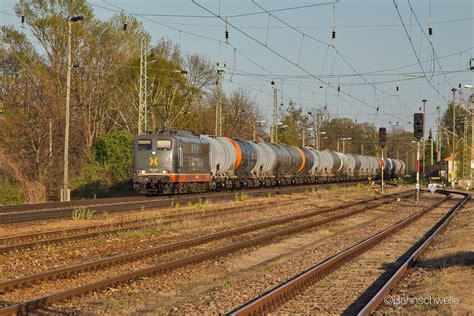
452,168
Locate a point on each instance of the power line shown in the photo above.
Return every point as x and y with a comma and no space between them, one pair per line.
286,59
333,47
429,39
121,10
232,16
414,51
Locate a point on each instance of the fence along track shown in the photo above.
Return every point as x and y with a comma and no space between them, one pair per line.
34,240
166,266
156,202
270,300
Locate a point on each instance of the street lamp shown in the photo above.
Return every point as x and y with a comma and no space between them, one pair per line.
424,137
65,195
343,140
303,134
255,124
453,90
321,143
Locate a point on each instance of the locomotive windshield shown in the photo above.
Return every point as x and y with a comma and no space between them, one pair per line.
163,144
144,144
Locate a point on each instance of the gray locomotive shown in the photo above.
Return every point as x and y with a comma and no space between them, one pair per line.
178,161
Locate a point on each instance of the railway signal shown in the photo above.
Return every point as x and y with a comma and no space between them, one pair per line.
418,133
418,125
382,138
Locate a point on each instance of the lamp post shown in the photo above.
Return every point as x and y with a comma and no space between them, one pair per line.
424,139
255,124
343,140
321,143
471,110
453,90
65,196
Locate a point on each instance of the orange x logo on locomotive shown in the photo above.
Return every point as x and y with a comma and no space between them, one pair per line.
153,161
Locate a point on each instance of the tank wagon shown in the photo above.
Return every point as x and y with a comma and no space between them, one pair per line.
178,161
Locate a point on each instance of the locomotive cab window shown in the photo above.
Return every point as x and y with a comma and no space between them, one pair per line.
163,144
144,144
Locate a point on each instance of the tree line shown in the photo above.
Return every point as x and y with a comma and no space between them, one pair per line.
105,99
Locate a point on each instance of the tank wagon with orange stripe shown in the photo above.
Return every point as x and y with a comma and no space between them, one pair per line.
177,161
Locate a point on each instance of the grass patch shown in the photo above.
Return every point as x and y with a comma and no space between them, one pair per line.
143,233
241,197
82,213
227,284
201,204
106,215
50,250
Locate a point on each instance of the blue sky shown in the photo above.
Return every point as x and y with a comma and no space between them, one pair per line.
369,36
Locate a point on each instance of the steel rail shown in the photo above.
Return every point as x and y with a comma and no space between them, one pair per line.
157,202
34,240
283,292
57,204
28,306
403,269
92,265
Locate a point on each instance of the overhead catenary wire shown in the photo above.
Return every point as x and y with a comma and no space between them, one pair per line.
427,37
285,58
333,47
414,50
119,10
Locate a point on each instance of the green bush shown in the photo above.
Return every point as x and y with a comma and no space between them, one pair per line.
10,194
108,169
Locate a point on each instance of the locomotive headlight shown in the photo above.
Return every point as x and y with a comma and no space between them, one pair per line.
143,171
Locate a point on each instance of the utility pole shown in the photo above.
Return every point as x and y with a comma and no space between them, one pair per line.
219,117
315,128
65,194
438,136
464,148
417,170
453,90
471,109
50,138
431,156
424,137
274,129
406,165
362,148
418,130
142,97
382,143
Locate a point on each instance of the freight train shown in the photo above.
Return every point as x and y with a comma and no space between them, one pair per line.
177,161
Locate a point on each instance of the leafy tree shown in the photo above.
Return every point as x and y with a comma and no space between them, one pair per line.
293,122
109,165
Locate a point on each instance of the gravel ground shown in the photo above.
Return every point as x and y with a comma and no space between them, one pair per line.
14,265
30,266
441,283
346,290
240,276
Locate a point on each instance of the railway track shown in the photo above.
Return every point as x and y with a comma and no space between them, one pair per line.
54,210
116,280
59,236
273,299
